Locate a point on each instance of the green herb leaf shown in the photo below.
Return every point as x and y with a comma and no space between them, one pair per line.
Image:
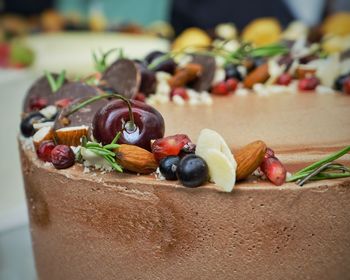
55,85
100,61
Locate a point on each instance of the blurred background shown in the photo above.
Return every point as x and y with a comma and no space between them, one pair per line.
38,35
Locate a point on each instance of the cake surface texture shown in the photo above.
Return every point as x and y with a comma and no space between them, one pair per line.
89,225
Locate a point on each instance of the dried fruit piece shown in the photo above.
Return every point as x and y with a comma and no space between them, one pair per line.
43,134
220,89
136,159
44,150
308,84
346,86
258,75
71,135
273,169
169,146
180,91
284,79
62,157
185,75
249,159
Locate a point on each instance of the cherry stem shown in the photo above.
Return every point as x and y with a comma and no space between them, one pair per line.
131,122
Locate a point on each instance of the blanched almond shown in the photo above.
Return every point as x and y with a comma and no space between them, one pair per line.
71,136
44,133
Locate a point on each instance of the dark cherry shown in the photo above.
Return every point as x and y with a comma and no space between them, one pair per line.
168,167
339,82
168,66
114,117
232,72
62,156
153,55
27,128
192,171
148,80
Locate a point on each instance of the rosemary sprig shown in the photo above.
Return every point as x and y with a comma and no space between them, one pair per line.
104,151
245,51
100,60
55,84
323,169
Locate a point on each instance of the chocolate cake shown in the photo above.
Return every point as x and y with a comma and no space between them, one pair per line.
89,221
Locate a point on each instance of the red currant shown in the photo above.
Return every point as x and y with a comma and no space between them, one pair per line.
180,91
169,146
37,103
232,84
45,149
220,89
308,84
284,79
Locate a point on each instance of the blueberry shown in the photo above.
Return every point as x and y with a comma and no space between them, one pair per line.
168,167
232,72
27,128
192,171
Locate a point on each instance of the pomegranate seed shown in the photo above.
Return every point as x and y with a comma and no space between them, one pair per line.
284,79
45,149
140,97
231,84
309,83
220,89
274,170
180,91
37,103
346,85
62,156
169,146
64,102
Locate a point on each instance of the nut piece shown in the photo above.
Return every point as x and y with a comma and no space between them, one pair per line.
71,136
258,75
136,159
184,75
44,133
249,158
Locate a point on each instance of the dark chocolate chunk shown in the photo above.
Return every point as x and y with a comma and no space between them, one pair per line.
74,90
203,82
124,77
40,89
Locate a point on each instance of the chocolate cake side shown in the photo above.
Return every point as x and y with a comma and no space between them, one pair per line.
134,227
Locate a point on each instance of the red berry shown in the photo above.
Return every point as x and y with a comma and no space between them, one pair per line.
269,153
169,146
180,91
64,102
231,84
37,103
45,149
274,170
346,85
62,156
284,79
140,97
220,89
309,83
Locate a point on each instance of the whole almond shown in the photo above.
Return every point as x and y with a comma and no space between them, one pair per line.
136,159
186,74
71,135
258,75
249,158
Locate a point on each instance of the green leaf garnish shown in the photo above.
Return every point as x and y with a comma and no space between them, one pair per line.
104,151
55,84
100,60
323,169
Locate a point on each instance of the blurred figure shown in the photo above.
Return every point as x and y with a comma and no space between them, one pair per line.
206,14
